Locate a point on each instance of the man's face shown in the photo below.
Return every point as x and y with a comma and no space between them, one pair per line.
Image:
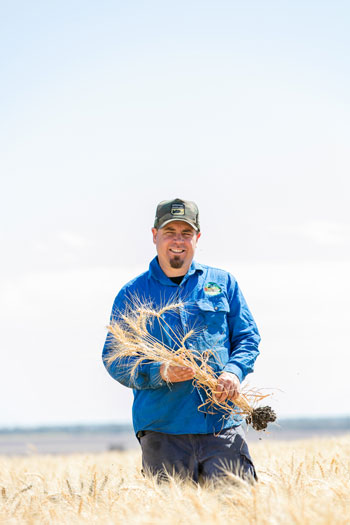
176,243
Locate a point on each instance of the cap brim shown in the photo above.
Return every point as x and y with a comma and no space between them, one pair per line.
178,220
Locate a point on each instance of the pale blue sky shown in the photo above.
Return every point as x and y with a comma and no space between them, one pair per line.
242,107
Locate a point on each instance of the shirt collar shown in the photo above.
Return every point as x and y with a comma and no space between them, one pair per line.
156,272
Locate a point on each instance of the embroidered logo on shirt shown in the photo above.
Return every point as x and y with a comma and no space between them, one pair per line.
212,289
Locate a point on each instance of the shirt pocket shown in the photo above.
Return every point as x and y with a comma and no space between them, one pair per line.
213,313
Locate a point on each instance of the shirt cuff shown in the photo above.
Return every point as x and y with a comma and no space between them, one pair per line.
155,378
234,369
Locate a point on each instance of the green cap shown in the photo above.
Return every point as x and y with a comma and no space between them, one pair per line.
177,210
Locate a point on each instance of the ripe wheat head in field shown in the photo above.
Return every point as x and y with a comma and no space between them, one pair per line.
305,482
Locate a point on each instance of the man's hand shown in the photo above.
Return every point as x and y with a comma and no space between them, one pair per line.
227,387
175,374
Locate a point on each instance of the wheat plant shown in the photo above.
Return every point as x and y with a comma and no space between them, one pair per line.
300,483
132,343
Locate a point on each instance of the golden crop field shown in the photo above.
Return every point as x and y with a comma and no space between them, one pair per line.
300,482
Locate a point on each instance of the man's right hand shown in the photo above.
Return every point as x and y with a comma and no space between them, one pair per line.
176,374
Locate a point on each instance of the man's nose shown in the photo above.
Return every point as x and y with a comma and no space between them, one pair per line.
178,237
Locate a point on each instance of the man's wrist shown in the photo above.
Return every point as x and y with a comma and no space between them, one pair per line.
231,368
156,379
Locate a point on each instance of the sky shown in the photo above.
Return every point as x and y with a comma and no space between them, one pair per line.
108,108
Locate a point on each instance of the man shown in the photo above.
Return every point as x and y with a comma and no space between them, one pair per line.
177,433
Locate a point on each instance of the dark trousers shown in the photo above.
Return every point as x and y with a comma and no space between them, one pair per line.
197,456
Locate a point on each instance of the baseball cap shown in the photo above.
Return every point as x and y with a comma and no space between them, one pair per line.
177,210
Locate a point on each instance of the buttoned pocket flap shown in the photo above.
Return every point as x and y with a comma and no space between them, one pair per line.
213,305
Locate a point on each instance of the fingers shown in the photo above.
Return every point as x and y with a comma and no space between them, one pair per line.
180,373
235,394
227,389
224,391
175,374
220,393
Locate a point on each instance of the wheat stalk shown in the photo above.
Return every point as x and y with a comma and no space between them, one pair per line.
130,338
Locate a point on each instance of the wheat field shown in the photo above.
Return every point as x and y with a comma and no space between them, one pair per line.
300,482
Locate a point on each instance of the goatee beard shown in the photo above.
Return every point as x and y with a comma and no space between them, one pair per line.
176,262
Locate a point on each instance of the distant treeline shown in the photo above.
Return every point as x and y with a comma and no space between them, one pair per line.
321,423
307,423
69,429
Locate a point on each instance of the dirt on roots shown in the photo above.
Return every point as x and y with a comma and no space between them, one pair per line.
260,417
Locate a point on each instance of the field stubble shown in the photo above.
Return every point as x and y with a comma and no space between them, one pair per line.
301,482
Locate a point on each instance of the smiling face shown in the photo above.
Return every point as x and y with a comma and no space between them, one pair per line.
176,243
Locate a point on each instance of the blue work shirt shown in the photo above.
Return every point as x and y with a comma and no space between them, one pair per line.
217,311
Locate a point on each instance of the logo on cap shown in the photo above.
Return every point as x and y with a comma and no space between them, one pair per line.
177,209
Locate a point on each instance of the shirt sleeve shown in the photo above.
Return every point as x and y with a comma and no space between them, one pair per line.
244,334
146,376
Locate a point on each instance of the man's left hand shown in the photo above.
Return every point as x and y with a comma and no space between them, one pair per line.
227,387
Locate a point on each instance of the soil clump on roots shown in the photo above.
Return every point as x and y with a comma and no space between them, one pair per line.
260,417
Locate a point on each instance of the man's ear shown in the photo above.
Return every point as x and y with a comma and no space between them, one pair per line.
198,235
154,233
